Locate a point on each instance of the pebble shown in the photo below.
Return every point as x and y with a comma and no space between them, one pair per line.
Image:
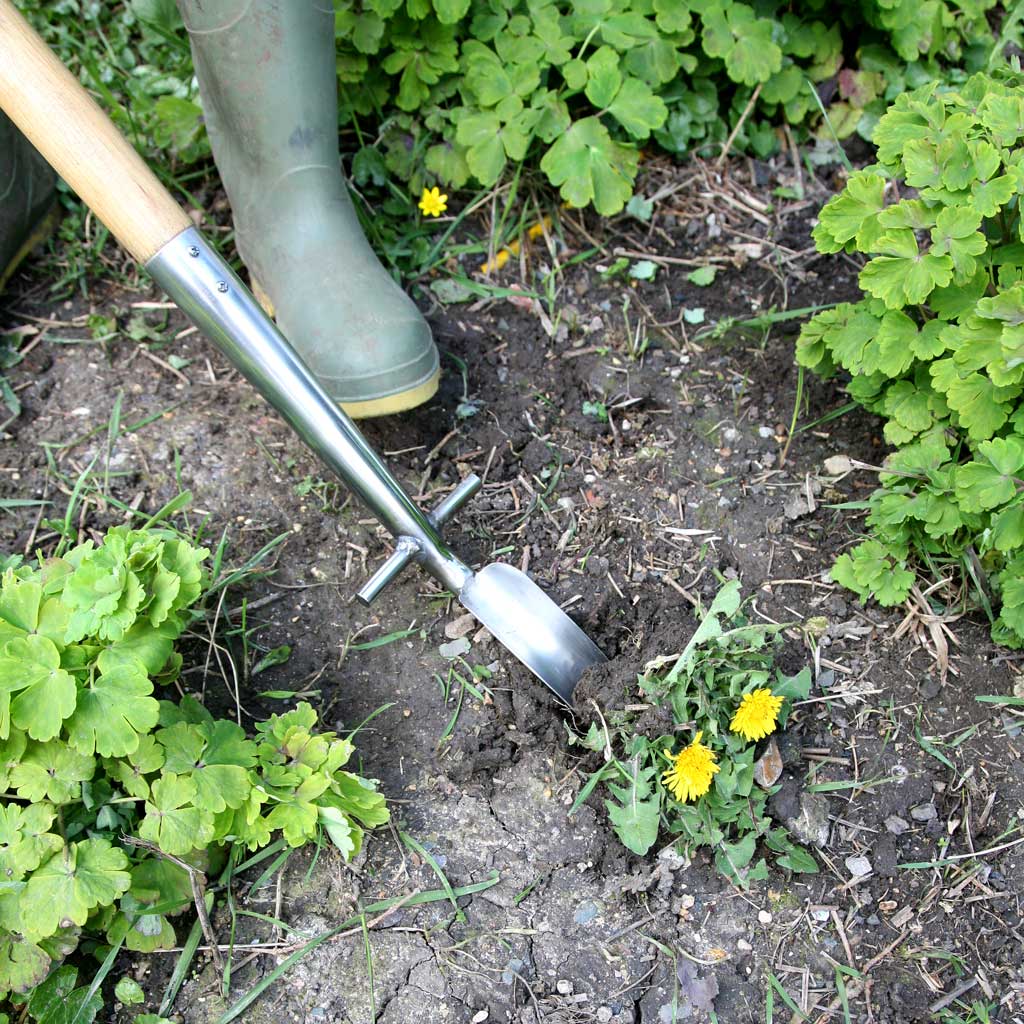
765,432
604,1014
479,1017
858,866
563,987
455,648
743,945
459,627
896,825
764,917
924,812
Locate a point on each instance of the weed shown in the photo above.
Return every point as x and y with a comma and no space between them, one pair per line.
722,693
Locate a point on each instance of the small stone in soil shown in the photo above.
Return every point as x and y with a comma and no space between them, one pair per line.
858,866
811,826
764,917
459,627
563,987
896,825
455,648
924,812
743,945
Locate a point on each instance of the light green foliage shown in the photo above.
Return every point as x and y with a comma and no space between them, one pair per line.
700,689
88,755
454,91
580,86
936,347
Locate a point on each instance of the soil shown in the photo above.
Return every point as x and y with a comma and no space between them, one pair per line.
626,522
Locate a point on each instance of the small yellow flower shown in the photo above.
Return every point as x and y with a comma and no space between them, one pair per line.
432,202
757,714
692,770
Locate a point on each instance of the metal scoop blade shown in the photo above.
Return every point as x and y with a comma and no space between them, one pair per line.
525,620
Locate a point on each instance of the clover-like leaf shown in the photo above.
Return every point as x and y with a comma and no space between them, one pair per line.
52,771
31,665
851,214
993,479
603,77
11,750
19,605
903,275
743,40
216,757
989,197
171,820
890,351
871,569
637,109
981,406
956,232
588,166
113,710
131,771
23,965
72,883
1003,114
908,406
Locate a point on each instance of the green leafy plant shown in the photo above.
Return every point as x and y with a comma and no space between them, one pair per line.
113,799
706,692
936,346
456,91
482,83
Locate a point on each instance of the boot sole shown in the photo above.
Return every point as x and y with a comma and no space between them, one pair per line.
39,234
401,401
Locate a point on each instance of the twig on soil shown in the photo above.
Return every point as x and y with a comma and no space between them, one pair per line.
678,261
964,986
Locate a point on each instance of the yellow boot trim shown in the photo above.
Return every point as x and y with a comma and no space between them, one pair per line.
262,298
400,402
394,403
39,234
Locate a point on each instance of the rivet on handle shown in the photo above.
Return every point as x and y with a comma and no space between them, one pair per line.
406,549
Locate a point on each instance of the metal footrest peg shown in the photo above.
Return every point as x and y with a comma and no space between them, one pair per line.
407,548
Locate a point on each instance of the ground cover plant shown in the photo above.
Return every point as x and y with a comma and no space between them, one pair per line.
936,346
116,804
698,779
461,91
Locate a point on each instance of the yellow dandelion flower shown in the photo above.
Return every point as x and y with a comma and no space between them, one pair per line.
691,772
433,203
757,714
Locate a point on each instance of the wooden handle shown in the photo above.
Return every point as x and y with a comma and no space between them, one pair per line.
65,124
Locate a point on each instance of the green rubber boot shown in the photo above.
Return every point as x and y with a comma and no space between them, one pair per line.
266,71
28,199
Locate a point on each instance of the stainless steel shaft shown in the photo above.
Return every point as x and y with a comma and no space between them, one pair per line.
217,302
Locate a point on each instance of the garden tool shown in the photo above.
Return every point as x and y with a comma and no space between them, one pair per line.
67,127
267,74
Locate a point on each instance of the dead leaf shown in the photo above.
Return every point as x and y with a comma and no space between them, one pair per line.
769,766
697,989
837,465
